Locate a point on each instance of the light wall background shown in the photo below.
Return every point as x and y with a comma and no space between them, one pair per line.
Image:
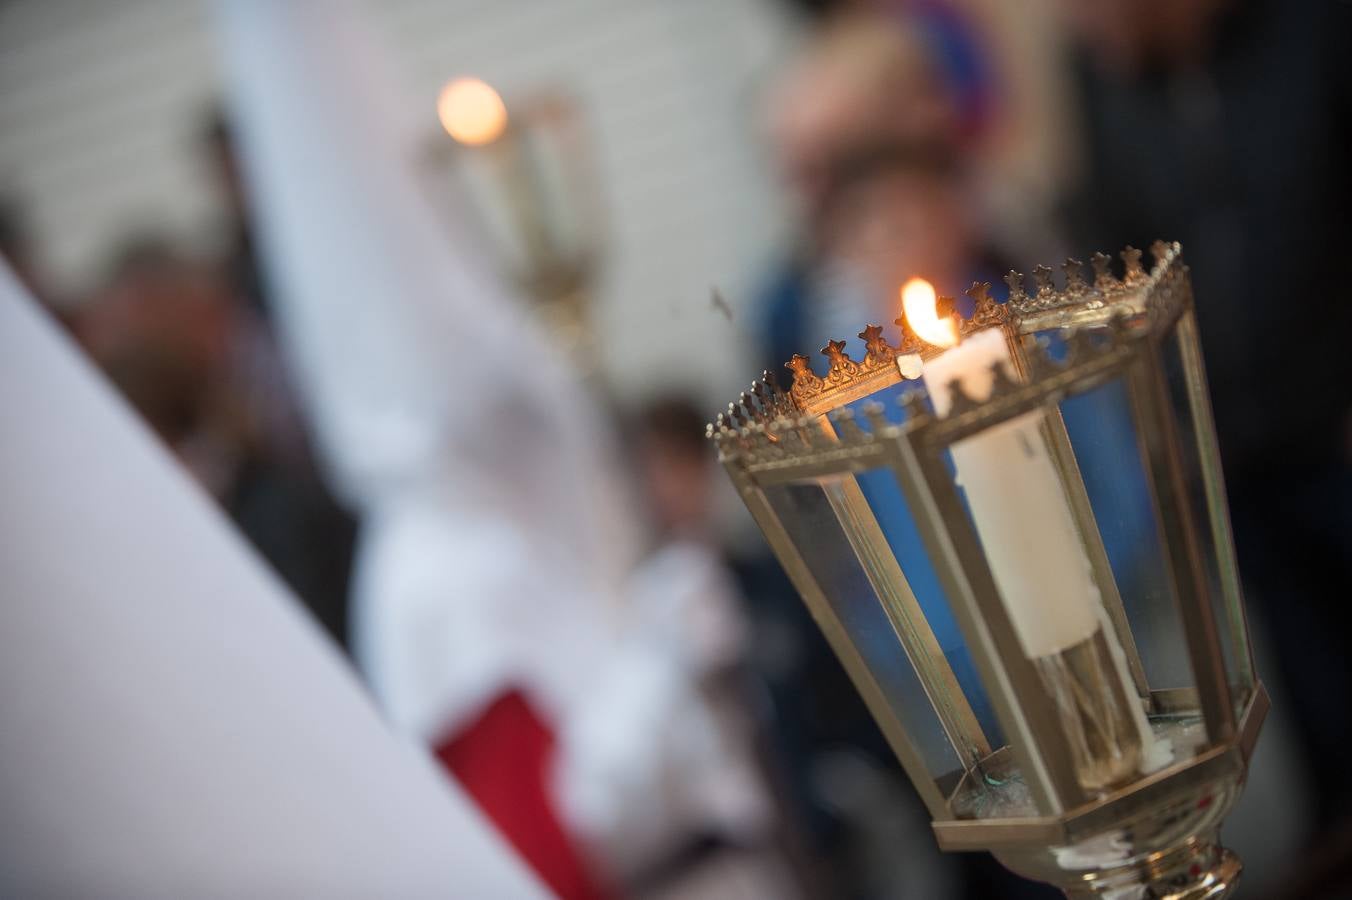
102,103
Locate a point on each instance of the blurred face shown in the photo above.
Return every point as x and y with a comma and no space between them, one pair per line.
895,226
867,82
161,330
172,305
678,485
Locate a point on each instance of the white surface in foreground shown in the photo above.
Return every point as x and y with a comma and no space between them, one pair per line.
170,724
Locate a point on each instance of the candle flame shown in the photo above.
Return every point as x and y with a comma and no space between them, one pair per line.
471,111
920,305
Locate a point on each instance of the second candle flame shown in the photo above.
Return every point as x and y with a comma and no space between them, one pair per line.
920,305
471,111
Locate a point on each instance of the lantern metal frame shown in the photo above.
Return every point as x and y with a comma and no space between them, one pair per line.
1116,329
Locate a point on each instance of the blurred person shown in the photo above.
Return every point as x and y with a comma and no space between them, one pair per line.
239,258
902,197
997,69
863,83
876,152
15,246
268,380
273,394
158,326
169,333
1227,125
674,468
909,215
19,250
871,143
677,486
862,89
502,616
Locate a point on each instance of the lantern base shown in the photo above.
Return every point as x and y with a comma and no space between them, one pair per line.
1199,868
1169,852
1196,870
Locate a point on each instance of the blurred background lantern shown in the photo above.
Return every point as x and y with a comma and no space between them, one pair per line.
525,176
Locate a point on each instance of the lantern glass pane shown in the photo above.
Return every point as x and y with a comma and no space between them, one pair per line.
1068,664
899,526
885,498
1190,409
1103,431
806,512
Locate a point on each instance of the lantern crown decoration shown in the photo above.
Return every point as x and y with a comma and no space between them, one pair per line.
848,378
1019,548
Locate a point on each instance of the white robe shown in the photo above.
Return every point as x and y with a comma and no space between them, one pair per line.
496,546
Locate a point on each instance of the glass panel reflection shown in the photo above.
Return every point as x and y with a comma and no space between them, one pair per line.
806,513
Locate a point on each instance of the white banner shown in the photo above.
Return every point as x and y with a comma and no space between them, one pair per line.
171,725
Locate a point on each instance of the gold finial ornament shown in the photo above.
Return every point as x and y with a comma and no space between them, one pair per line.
1046,289
880,353
844,376
986,312
1103,273
806,384
1131,258
1074,270
841,369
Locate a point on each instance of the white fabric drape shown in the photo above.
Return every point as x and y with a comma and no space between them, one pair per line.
442,412
496,547
171,724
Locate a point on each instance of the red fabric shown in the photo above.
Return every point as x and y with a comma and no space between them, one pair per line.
503,761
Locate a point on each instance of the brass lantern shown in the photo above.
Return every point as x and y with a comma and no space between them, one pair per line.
527,184
1027,570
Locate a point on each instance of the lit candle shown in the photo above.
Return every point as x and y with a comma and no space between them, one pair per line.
471,111
1033,548
1012,490
497,172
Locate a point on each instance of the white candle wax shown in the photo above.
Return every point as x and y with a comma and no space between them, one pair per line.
1019,508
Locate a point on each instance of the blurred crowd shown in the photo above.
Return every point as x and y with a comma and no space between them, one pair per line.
187,341
897,131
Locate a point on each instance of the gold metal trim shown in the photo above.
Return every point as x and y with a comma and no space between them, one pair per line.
1176,701
1209,766
908,620
838,638
1087,366
1095,816
846,380
1054,432
1080,302
1179,544
1252,721
1154,789
1213,481
1035,737
957,835
1063,458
